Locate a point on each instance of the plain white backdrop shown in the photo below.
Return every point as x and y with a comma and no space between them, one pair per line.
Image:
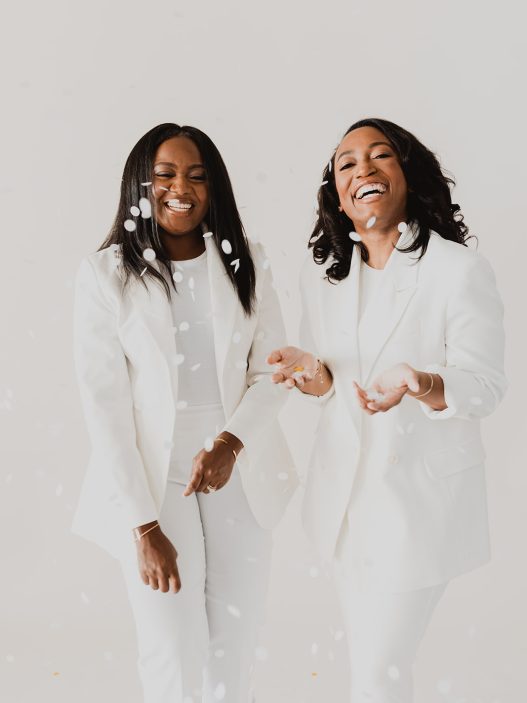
275,85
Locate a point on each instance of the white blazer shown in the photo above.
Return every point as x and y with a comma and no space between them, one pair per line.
421,515
125,357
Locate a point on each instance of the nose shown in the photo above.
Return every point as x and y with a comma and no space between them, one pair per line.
178,185
365,168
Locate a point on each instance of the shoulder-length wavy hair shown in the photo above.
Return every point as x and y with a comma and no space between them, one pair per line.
429,204
223,218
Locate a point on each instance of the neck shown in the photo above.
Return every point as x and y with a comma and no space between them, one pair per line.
183,246
379,240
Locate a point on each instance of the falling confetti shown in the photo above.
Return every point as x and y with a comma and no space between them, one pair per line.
184,326
236,264
135,210
324,183
234,611
206,235
146,208
147,183
208,445
236,337
219,692
266,264
219,653
181,404
330,165
143,271
10,658
129,225
331,655
316,237
339,634
394,673
195,367
371,222
149,254
177,276
226,246
444,686
56,673
163,188
179,359
191,283
355,237
402,227
84,598
314,572
58,490
314,648
108,656
261,654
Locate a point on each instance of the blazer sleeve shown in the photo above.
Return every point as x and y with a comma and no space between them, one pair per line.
263,400
473,374
106,398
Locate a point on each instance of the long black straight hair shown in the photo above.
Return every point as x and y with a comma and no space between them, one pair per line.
223,218
429,204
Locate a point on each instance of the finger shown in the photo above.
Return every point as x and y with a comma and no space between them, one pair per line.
163,583
289,383
278,377
144,577
152,580
193,483
174,583
207,479
274,357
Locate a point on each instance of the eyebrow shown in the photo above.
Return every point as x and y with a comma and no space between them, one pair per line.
370,146
170,163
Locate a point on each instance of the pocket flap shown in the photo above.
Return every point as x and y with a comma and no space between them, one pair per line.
445,462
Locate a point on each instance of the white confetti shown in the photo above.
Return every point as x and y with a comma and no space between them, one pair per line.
149,254
476,400
236,337
163,188
266,264
236,264
399,429
356,237
10,658
339,634
324,183
191,283
206,235
129,225
195,367
226,246
393,673
181,404
58,490
261,654
143,271
177,276
314,648
108,656
84,598
402,227
314,572
331,655
219,692
444,686
208,444
146,208
184,326
234,611
330,165
316,237
179,359
219,653
471,632
9,478
283,476
371,222
134,210
147,183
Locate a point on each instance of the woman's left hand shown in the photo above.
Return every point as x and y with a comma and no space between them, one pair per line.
388,389
211,470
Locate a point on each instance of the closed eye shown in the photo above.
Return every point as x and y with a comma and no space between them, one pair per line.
348,165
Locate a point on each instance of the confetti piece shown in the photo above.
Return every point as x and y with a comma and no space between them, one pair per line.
402,227
266,264
208,444
234,611
195,367
355,237
476,400
314,648
471,632
134,210
184,326
191,283
149,254
179,359
339,634
226,246
314,674
261,654
206,235
219,653
371,222
330,165
129,225
181,404
236,337
394,673
400,429
444,686
108,656
147,183
236,264
10,658
331,655
146,208
143,271
314,572
374,396
298,368
56,673
324,183
219,692
177,276
84,598
58,490
9,478
283,476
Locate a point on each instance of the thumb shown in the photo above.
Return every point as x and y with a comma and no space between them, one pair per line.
274,357
412,382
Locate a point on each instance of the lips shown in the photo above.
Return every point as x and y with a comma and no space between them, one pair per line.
368,190
179,206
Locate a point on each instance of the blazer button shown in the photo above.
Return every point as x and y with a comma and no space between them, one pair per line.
393,458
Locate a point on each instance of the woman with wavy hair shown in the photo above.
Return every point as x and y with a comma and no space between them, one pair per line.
174,316
402,345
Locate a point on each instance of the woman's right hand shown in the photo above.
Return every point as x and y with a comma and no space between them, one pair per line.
295,366
157,560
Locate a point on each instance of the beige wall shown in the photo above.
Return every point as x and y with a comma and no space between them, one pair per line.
274,84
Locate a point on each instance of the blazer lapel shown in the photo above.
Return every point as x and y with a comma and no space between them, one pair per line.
386,309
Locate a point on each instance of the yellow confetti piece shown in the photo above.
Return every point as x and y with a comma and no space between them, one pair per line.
56,673
314,673
298,368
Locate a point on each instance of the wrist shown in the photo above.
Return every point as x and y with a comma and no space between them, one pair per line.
426,385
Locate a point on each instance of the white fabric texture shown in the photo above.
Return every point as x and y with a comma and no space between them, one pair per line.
198,645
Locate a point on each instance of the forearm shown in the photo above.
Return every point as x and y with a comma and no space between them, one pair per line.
434,398
321,383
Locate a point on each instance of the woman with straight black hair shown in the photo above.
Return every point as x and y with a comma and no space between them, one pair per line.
402,342
189,469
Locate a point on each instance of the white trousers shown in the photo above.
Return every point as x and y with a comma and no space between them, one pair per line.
384,630
198,645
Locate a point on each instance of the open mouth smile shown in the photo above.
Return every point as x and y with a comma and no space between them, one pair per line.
369,191
178,206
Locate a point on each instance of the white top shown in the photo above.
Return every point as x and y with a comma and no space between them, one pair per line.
194,334
370,280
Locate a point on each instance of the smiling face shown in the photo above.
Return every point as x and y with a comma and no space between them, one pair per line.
180,187
369,179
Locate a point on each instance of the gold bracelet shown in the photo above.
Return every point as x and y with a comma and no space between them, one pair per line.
422,395
140,535
220,439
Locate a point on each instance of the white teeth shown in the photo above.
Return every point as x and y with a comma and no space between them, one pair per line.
178,204
370,186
